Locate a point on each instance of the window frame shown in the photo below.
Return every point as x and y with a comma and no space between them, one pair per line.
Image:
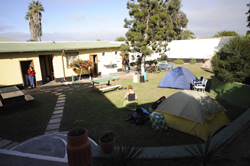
67,59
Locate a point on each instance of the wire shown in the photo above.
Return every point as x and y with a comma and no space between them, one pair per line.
13,19
17,22
186,3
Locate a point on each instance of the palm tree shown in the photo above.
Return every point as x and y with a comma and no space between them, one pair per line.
34,15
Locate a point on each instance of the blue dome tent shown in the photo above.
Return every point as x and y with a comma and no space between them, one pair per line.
179,78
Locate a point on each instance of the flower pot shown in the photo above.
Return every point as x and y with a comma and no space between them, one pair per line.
79,149
106,147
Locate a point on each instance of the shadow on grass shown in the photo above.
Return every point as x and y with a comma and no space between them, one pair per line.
100,114
20,123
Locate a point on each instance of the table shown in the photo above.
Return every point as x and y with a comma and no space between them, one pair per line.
9,89
12,96
102,87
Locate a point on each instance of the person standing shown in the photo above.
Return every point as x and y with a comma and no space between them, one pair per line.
31,73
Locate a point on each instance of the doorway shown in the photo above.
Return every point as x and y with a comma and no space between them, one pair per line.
94,68
24,69
124,61
46,65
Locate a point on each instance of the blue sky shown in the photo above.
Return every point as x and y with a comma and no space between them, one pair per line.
89,20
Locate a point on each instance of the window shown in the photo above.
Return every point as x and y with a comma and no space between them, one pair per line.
116,52
103,53
71,56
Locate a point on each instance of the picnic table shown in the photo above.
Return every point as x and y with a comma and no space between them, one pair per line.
102,87
11,96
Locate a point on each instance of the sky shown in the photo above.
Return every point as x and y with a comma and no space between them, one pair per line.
89,20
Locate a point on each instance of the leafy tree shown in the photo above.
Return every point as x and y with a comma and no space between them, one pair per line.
35,16
177,19
120,39
226,33
187,34
232,62
163,57
98,40
152,22
248,19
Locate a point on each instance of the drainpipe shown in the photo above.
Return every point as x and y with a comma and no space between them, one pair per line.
63,66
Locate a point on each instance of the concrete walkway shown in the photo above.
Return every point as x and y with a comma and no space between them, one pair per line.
50,149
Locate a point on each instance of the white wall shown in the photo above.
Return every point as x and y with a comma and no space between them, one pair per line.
189,49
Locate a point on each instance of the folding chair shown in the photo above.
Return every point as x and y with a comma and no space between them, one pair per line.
200,85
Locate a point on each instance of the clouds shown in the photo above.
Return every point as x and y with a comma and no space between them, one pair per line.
104,35
16,36
78,16
5,28
224,15
72,20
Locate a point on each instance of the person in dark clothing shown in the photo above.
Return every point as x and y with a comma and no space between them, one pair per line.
130,99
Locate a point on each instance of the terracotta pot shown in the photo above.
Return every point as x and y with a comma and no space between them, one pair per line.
107,147
79,149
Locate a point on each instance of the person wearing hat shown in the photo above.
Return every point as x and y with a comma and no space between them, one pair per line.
31,73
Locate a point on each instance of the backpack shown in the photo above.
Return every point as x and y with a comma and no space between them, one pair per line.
158,122
158,102
138,117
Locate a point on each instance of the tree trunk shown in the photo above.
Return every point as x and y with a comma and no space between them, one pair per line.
36,26
143,64
145,38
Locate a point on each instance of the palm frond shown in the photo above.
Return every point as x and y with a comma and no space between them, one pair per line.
123,155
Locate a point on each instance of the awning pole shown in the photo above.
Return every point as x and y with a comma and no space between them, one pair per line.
63,67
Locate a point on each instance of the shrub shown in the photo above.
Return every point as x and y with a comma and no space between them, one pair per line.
192,61
163,57
178,61
232,62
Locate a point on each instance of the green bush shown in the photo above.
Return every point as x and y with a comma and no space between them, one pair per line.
192,61
163,57
178,61
232,62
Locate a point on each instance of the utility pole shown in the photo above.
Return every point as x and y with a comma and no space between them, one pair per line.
214,30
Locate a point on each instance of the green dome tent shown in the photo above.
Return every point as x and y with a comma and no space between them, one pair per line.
194,113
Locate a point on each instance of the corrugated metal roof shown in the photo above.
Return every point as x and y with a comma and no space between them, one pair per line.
53,46
4,39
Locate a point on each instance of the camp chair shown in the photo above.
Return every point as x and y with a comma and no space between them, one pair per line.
198,81
200,85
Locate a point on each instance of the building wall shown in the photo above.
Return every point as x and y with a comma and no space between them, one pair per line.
198,49
108,58
10,68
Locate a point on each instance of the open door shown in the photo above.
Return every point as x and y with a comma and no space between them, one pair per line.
94,68
46,68
24,70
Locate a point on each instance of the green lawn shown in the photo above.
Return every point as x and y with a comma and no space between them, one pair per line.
105,111
21,123
102,112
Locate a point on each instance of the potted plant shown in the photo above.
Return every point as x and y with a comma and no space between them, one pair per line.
81,65
107,141
79,146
